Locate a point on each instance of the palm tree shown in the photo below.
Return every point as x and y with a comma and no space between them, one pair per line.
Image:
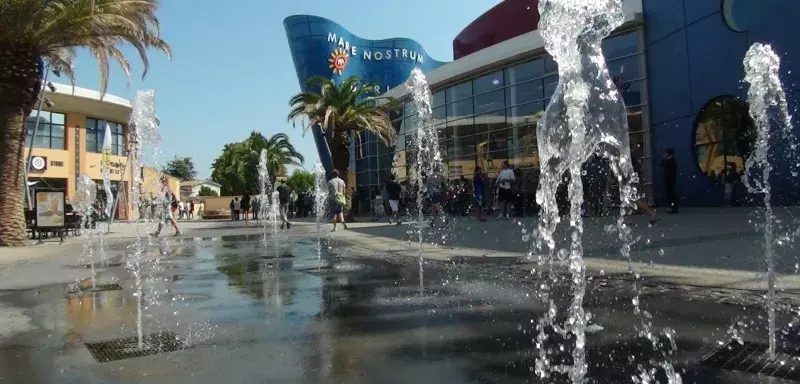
35,32
341,111
280,153
237,167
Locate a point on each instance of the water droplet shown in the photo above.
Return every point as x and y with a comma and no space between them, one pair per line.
661,252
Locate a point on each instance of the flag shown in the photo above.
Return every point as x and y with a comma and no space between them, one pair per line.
106,167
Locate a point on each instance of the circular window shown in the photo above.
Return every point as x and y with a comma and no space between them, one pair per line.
724,136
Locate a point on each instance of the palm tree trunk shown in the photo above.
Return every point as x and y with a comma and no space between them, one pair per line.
12,177
340,151
20,75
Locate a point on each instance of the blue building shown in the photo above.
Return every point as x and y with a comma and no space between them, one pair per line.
321,47
677,63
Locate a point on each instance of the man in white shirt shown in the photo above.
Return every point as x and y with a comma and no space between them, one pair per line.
504,190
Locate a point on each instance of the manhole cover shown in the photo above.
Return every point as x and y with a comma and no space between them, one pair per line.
753,358
127,348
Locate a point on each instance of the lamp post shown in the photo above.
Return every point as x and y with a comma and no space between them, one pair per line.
33,136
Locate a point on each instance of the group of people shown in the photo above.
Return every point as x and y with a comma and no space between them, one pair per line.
248,206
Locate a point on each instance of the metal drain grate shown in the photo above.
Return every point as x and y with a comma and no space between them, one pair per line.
128,347
753,358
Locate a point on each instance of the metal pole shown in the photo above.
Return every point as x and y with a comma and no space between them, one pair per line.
33,136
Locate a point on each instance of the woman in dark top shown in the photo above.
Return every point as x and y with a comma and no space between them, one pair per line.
245,208
478,183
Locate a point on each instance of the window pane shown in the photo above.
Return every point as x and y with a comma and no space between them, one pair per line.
463,127
57,118
724,136
525,92
550,66
625,69
91,123
632,92
490,121
489,102
57,131
524,135
488,82
550,84
524,72
464,145
459,92
439,115
57,143
459,109
438,99
635,121
617,46
41,142
529,113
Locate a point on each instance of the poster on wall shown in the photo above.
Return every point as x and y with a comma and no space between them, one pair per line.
50,209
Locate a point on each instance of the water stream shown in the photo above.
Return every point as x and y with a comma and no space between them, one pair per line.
320,203
429,169
770,114
586,115
265,186
83,203
145,141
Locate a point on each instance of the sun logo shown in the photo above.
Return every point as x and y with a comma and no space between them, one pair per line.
338,61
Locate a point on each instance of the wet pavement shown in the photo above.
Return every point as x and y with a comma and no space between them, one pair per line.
245,315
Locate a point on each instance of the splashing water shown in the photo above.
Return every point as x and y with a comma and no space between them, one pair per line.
766,97
274,216
430,171
266,188
320,203
145,141
586,115
83,202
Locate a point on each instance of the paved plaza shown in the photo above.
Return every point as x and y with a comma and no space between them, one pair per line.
353,311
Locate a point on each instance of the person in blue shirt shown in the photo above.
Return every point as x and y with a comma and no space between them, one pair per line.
478,187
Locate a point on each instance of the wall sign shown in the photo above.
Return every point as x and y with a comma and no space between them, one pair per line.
50,209
56,163
377,54
39,163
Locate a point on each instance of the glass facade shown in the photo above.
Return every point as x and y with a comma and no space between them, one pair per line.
49,133
492,118
95,131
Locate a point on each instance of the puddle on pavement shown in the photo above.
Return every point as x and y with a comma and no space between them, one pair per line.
245,315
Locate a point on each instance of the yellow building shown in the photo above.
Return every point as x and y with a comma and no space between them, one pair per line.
69,141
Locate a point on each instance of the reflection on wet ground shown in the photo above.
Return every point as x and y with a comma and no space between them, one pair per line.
248,317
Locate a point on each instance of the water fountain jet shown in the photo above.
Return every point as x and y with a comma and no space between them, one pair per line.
766,97
429,169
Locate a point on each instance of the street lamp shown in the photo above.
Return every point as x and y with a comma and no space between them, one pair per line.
50,104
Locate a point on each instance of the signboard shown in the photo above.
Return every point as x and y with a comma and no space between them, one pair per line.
50,209
39,163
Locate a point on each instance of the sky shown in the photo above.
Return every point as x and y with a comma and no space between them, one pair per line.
232,73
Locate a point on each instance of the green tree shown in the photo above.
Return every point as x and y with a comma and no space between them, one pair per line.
181,168
236,169
342,111
38,35
301,181
206,191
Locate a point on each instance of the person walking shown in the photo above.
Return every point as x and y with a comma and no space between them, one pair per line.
237,205
245,208
394,192
337,199
167,211
729,180
505,194
256,205
191,210
285,198
233,213
478,185
670,178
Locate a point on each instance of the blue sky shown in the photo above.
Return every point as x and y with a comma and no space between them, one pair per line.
232,73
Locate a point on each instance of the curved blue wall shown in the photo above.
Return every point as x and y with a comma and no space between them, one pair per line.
313,39
695,50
